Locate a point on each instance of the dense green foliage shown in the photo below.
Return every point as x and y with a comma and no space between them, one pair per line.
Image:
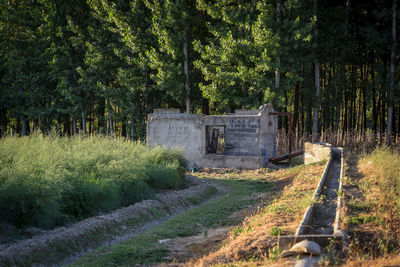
100,66
47,181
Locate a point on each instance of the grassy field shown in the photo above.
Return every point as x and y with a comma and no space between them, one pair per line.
259,205
50,181
372,191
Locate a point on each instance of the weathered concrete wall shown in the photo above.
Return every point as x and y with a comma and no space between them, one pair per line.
172,129
268,134
316,152
242,134
249,136
225,161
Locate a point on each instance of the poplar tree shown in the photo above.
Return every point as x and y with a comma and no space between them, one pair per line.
174,25
227,54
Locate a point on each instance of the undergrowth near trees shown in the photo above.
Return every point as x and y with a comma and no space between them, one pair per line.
47,181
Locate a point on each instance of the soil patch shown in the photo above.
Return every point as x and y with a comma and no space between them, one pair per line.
182,249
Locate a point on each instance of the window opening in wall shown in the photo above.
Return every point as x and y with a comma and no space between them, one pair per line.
215,139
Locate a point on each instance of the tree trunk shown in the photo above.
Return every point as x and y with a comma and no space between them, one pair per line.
339,98
66,127
353,88
285,120
132,124
364,103
393,122
382,124
83,124
398,125
392,77
344,76
345,115
309,118
75,130
91,119
101,110
3,118
296,105
374,109
110,118
205,106
278,57
317,78
123,129
23,124
186,70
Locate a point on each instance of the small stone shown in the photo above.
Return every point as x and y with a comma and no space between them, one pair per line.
307,247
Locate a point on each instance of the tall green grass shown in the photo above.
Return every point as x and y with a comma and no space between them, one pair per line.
47,181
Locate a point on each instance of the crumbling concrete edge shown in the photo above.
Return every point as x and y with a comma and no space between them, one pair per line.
339,203
307,215
287,241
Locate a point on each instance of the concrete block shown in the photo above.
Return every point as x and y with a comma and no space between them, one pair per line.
316,152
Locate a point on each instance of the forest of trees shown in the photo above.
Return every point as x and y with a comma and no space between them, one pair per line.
100,66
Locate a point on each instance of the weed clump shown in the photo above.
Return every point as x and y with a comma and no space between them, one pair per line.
47,181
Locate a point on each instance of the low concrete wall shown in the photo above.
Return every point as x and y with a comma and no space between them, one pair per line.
316,152
237,162
304,225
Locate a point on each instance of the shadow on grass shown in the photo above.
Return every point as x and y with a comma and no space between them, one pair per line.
148,247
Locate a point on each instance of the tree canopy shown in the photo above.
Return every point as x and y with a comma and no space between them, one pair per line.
100,66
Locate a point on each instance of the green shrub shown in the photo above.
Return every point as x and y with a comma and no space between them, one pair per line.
86,197
134,191
173,158
47,180
27,201
162,177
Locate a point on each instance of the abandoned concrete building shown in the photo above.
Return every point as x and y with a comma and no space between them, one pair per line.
244,139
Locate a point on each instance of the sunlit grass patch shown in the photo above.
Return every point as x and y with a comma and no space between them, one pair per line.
373,208
255,240
149,247
47,180
382,186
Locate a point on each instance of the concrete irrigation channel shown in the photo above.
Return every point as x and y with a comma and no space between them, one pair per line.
320,227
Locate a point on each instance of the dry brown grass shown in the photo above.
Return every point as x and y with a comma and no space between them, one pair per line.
390,261
351,140
252,244
373,209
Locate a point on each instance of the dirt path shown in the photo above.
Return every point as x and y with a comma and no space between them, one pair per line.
64,244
